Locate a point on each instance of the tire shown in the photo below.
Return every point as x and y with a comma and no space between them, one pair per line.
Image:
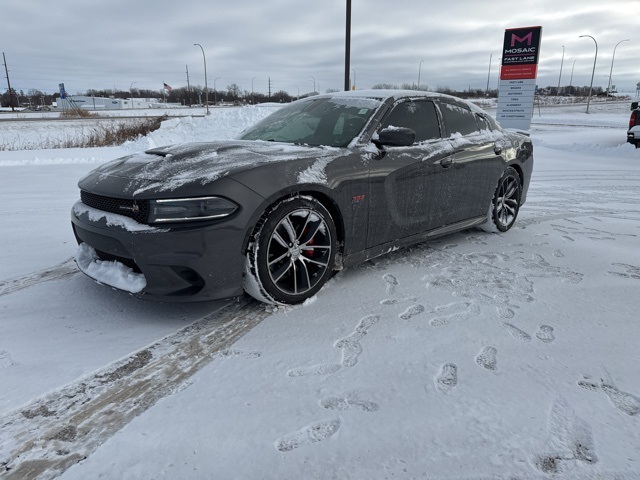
292,254
505,203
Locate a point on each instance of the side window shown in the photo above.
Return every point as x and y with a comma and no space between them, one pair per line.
460,119
483,124
418,115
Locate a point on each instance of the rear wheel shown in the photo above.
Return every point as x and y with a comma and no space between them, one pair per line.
505,203
292,253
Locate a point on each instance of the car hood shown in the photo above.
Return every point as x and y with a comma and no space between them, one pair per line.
171,167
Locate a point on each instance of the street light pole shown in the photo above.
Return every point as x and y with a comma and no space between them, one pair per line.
131,93
571,80
612,59
314,83
419,72
347,48
486,93
561,63
206,89
594,69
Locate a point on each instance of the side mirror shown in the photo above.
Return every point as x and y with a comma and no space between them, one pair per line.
396,137
634,105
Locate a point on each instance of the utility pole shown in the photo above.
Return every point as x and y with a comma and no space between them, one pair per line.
269,87
188,86
347,48
8,82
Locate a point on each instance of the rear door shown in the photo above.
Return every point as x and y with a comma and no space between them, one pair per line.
476,161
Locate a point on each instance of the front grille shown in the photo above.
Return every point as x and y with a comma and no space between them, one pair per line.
136,209
125,261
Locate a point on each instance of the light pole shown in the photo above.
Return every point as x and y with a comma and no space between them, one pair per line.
215,92
419,72
314,84
354,78
131,93
206,89
347,47
594,69
486,93
571,80
612,59
561,63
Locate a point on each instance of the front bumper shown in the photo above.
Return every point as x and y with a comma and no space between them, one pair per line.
179,264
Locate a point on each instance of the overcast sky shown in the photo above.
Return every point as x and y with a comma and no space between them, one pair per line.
299,43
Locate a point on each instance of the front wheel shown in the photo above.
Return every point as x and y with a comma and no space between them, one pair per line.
505,203
292,254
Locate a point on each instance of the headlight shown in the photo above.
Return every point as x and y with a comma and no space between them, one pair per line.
190,209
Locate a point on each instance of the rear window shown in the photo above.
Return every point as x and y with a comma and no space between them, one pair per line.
460,119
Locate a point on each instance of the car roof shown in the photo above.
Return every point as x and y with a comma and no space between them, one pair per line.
394,95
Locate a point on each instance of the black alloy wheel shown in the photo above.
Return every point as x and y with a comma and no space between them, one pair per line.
294,250
505,203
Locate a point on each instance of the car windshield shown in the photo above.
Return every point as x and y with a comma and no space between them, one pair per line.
328,121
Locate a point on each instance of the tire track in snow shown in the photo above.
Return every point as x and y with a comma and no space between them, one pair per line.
62,270
54,432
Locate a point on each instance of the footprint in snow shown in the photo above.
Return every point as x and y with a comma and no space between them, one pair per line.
625,402
312,433
453,313
447,378
348,402
412,312
389,301
5,359
315,370
545,334
487,358
570,439
392,283
351,350
516,332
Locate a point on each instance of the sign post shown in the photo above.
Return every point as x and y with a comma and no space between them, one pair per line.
518,74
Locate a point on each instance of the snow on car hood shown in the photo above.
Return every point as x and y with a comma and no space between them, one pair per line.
168,168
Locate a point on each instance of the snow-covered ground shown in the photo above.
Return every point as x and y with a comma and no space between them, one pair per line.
477,356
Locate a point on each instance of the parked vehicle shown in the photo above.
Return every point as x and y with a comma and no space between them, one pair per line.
633,133
323,183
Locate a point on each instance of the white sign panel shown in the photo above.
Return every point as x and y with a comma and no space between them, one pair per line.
515,103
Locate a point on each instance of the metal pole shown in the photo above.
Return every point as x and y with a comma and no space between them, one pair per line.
419,71
347,49
571,80
488,75
188,85
561,63
594,69
8,82
131,93
612,58
206,89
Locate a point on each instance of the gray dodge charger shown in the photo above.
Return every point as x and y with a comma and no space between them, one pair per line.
323,183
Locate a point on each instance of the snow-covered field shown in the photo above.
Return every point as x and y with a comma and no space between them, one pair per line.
477,356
